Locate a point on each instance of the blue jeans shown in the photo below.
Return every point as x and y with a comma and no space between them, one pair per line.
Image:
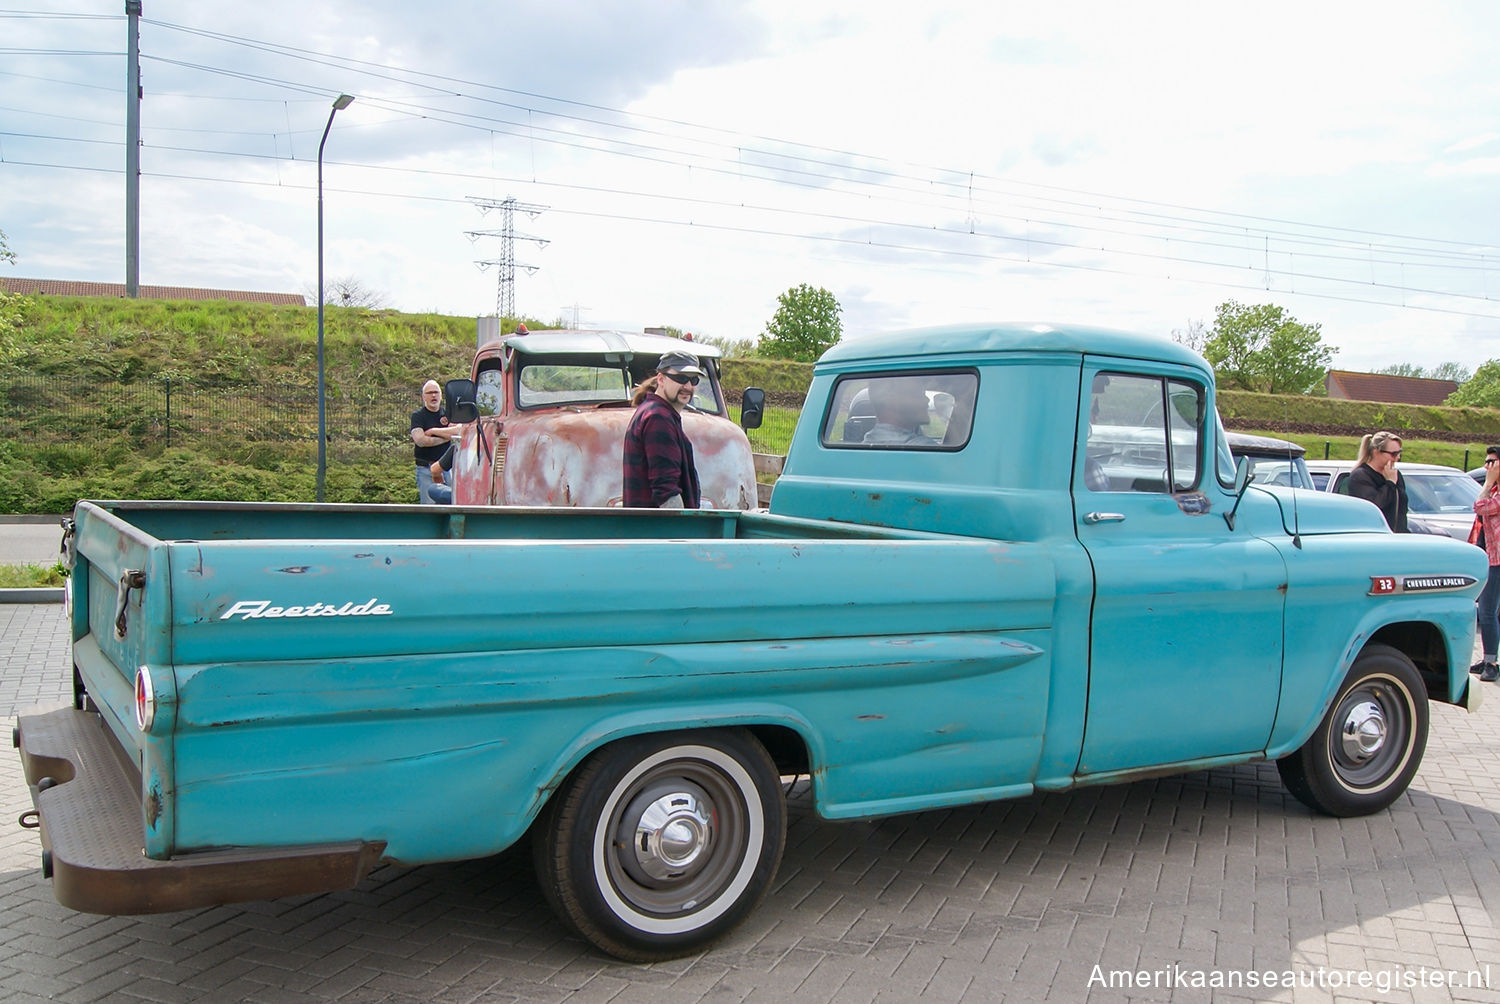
424,481
1489,604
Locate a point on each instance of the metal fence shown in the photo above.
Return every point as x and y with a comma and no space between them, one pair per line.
235,421
145,415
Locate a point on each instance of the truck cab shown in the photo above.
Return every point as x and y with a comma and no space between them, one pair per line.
550,410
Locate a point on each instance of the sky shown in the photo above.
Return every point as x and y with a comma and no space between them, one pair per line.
684,162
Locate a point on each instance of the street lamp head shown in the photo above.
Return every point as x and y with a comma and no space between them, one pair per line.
342,101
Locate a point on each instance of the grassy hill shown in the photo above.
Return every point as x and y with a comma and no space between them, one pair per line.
216,400
90,384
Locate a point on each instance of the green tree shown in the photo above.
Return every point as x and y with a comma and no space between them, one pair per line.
730,348
805,324
1457,372
1482,390
1263,348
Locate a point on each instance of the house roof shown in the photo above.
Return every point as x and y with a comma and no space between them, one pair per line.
1388,389
70,287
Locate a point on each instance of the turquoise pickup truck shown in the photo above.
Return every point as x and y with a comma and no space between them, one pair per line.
961,592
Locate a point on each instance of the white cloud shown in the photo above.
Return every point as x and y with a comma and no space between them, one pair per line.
1127,165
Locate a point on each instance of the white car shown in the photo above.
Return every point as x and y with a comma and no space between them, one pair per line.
1440,498
1272,461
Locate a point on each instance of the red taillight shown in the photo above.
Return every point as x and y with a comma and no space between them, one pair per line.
145,699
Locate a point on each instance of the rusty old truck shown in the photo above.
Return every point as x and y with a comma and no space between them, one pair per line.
547,411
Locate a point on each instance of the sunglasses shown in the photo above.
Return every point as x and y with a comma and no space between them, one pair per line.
1491,460
1391,453
691,379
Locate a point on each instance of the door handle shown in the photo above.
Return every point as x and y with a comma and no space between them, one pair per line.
1104,517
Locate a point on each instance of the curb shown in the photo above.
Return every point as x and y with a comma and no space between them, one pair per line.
52,594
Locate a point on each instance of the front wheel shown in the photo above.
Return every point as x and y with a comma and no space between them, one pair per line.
658,845
1368,747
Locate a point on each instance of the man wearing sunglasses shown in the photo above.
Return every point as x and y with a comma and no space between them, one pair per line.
659,469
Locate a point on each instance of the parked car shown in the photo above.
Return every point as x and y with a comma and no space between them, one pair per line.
1272,461
1440,498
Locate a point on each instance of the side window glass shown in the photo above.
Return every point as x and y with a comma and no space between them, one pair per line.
1223,457
1342,484
489,391
1143,434
906,411
1184,419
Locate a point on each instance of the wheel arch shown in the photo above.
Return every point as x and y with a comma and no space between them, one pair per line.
789,738
1427,647
1421,641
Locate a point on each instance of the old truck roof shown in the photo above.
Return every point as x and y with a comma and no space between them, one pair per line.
584,342
968,339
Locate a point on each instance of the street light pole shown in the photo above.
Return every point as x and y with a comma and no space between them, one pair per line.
339,103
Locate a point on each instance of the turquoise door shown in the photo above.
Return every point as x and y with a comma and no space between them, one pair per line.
1186,642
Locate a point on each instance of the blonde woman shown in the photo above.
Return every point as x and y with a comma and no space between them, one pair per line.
1376,479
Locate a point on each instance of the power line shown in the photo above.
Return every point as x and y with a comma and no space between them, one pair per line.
846,242
1032,240
1030,209
820,181
382,71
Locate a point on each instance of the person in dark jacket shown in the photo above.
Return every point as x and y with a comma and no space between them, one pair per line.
659,468
1377,480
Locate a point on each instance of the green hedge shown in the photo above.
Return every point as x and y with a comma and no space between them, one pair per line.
1243,409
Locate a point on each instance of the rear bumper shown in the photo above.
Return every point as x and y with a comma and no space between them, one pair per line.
93,834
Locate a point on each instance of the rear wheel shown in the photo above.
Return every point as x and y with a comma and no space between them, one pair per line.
658,845
1368,747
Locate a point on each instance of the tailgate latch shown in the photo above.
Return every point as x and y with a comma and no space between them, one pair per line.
131,578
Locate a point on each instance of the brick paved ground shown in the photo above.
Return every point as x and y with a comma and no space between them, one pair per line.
1015,901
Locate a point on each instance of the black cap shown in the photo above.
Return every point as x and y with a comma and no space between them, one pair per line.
679,362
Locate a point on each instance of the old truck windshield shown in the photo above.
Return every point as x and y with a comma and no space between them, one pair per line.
562,382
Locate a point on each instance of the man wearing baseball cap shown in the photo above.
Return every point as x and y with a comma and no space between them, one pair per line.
659,469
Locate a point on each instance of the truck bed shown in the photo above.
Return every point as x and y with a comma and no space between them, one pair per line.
386,664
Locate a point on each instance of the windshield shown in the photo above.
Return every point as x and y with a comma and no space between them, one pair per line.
1431,493
544,383
1438,494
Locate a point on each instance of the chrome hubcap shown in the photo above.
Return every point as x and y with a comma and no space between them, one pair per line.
1364,731
672,833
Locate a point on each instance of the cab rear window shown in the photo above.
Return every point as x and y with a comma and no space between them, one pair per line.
929,410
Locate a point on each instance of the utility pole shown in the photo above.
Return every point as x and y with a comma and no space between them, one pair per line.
133,150
505,292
